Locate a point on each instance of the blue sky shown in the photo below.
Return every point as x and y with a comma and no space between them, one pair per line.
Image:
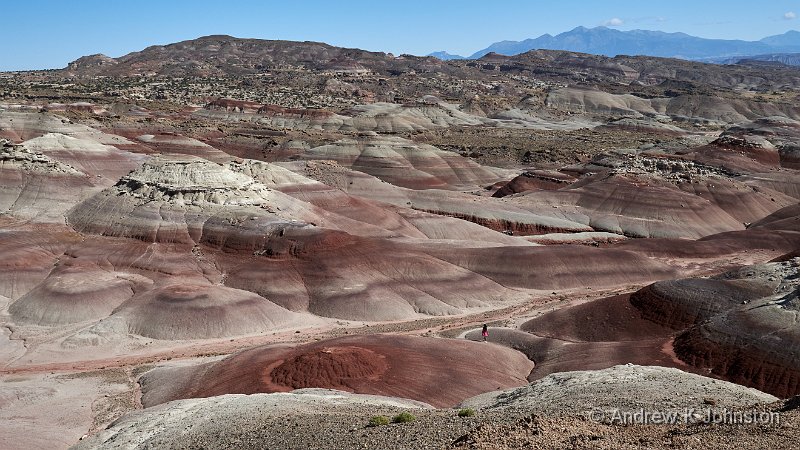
39,34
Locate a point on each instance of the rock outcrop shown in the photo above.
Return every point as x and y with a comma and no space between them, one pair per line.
657,388
754,343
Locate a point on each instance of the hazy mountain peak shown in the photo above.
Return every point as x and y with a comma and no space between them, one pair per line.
444,56
611,42
790,38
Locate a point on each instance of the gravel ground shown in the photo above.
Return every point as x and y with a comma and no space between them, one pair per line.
438,429
533,432
551,413
306,419
344,430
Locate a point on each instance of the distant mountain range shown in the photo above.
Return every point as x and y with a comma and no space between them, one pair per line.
611,42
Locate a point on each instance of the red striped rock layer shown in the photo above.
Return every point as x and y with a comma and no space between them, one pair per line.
441,372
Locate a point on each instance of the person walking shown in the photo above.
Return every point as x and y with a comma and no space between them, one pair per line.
485,332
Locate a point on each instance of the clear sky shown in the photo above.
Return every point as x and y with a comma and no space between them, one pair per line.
42,34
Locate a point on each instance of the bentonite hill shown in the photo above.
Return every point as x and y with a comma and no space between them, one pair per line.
237,243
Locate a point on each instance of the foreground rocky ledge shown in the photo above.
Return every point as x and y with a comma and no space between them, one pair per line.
554,412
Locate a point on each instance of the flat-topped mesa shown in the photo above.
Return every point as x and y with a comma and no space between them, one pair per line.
249,107
189,200
33,185
31,161
232,105
667,167
426,100
275,110
191,180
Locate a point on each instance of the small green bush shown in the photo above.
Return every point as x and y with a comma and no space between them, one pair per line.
466,412
378,421
403,417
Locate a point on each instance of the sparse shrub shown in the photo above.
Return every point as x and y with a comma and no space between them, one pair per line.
403,417
377,421
466,412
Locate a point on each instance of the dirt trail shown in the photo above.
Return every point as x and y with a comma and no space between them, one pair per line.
450,326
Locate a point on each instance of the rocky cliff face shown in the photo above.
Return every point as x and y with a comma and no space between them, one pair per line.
741,325
754,343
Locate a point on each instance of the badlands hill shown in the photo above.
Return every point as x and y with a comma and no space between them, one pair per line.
438,370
